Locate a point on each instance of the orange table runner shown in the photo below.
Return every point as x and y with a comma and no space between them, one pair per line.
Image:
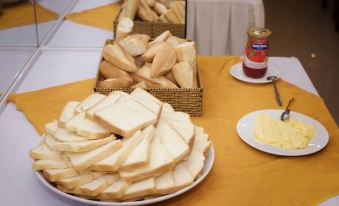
22,14
241,175
101,17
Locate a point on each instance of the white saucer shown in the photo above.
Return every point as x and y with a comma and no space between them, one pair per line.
245,129
237,72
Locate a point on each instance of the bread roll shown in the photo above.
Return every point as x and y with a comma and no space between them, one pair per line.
141,84
186,52
178,9
150,53
159,8
108,71
175,41
131,8
122,82
162,37
163,82
125,27
170,17
170,77
183,74
150,3
145,12
163,61
135,45
120,58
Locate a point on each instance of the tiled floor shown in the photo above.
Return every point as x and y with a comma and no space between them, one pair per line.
302,28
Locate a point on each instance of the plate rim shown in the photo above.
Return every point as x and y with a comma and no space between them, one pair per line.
281,151
207,167
254,81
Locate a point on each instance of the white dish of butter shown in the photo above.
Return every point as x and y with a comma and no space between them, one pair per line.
301,135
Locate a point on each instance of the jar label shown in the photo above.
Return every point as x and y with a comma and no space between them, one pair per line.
256,53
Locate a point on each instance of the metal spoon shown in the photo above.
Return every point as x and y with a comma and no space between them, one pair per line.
286,114
277,96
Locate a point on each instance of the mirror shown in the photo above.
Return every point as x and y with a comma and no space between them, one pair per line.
18,39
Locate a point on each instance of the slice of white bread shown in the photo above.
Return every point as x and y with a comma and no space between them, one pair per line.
64,135
113,162
147,100
184,129
160,161
172,141
51,164
106,102
165,183
140,155
51,127
94,187
125,117
89,102
43,152
201,142
182,176
58,174
86,127
115,191
118,56
195,163
83,160
140,189
67,113
81,179
82,146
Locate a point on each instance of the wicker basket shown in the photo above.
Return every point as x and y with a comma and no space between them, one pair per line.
187,100
153,29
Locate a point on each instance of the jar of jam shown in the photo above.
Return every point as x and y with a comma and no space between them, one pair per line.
255,59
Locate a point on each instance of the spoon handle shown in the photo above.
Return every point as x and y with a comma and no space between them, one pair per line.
277,96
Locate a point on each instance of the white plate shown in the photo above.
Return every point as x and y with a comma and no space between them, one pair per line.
245,129
207,168
237,72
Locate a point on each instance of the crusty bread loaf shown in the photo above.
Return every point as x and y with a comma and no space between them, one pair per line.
51,164
150,3
183,74
125,117
107,101
113,162
159,8
144,74
67,113
175,41
116,55
170,17
122,82
163,61
170,77
82,146
89,102
43,152
178,9
140,154
108,71
135,44
59,174
83,160
140,84
160,161
145,12
125,27
115,191
139,189
150,53
165,184
162,82
162,19
162,37
131,8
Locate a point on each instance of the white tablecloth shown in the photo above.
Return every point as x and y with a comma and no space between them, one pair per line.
220,26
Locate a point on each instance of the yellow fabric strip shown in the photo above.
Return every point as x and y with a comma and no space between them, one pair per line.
22,14
241,175
101,17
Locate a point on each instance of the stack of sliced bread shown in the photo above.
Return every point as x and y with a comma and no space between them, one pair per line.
121,147
165,11
135,61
